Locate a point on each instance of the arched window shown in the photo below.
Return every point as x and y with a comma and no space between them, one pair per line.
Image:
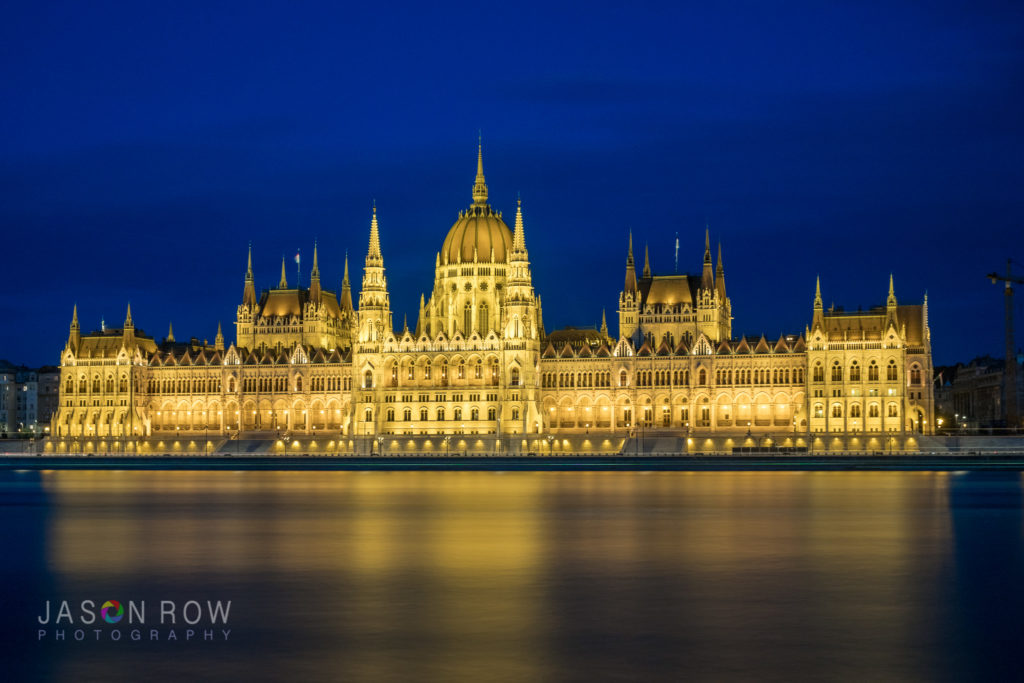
854,372
440,414
819,373
407,414
457,413
837,372
394,374
298,383
462,370
873,410
368,379
855,410
819,410
837,410
622,378
478,372
389,416
893,410
69,385
369,415
426,370
491,414
873,372
483,323
423,414
474,414
467,319
514,377
110,385
890,372
702,378
411,375
915,374
515,413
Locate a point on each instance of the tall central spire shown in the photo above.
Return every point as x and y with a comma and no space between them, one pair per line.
480,186
373,254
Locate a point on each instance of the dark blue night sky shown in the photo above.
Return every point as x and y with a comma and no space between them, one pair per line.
145,144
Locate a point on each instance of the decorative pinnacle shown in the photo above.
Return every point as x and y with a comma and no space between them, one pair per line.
248,270
128,319
170,332
74,316
519,234
707,244
480,186
374,250
817,292
283,284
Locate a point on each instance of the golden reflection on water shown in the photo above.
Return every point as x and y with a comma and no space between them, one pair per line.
478,568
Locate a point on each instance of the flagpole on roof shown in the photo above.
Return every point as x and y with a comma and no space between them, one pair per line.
298,265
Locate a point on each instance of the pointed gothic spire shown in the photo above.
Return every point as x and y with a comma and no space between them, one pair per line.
480,186
818,319
421,321
283,284
373,253
249,290
75,335
170,332
129,329
630,285
218,341
604,323
346,289
720,275
314,279
707,280
405,323
890,303
647,261
519,235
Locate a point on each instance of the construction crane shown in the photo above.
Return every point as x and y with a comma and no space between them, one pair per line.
1012,418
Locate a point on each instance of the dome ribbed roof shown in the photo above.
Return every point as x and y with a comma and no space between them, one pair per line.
480,228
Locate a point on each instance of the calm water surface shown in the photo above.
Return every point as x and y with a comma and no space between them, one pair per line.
449,576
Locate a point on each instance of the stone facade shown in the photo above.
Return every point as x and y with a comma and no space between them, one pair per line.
479,361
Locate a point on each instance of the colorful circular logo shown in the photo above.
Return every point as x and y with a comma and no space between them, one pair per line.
112,611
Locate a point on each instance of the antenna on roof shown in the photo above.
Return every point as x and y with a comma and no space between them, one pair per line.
677,251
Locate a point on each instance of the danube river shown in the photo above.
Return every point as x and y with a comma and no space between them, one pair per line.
526,576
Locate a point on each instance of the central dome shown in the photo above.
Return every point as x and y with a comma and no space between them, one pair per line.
478,230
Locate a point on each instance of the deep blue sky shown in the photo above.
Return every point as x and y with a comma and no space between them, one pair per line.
143,145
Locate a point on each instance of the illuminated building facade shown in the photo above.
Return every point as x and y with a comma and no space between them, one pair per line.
308,362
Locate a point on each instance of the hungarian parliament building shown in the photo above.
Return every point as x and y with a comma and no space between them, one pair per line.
309,366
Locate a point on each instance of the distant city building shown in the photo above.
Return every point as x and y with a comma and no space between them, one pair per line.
479,361
974,394
20,413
